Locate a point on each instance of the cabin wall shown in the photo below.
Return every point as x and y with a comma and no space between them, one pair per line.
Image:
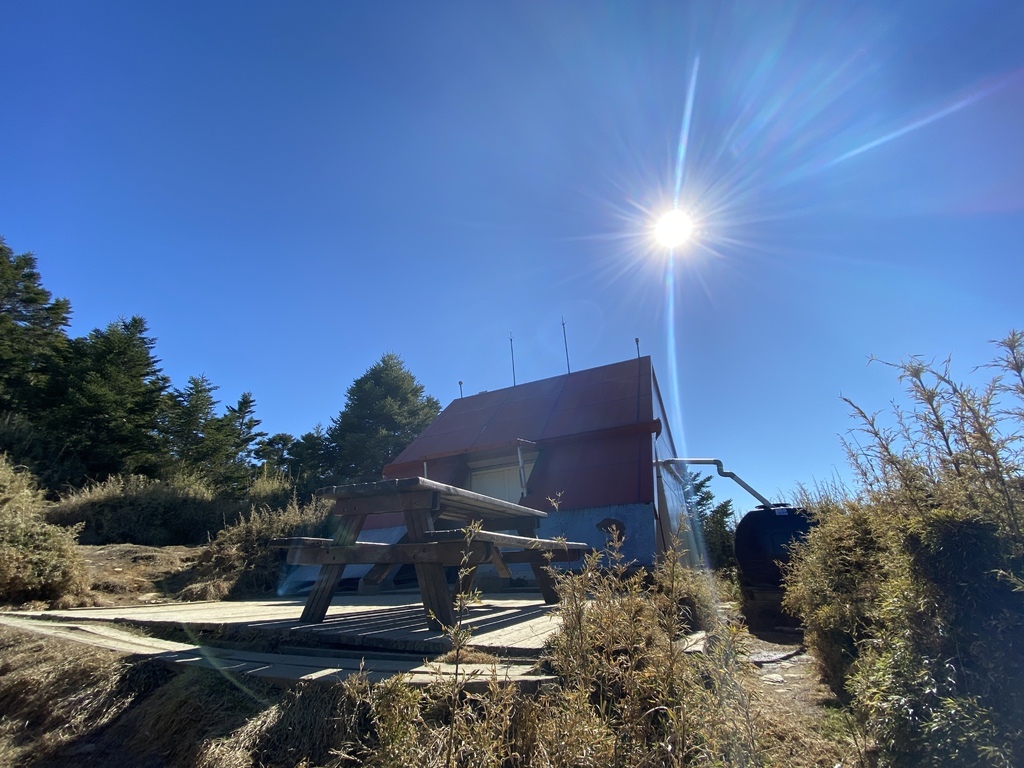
592,525
597,472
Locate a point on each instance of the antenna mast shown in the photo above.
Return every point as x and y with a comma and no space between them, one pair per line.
513,351
565,340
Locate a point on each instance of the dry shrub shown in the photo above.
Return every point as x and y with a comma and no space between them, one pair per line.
834,580
307,725
910,591
240,560
139,510
621,649
38,561
270,490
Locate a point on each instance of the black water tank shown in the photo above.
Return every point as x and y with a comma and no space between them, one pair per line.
763,537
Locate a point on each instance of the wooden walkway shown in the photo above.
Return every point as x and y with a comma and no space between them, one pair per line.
502,625
320,666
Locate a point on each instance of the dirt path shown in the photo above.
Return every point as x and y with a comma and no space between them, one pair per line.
130,574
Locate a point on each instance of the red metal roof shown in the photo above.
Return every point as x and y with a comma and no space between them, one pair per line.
613,395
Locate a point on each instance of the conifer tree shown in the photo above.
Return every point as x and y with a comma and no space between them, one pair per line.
31,331
105,400
717,528
310,462
385,409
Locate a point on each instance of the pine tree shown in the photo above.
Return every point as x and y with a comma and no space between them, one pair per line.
105,401
273,452
385,409
241,421
221,449
310,460
715,521
31,331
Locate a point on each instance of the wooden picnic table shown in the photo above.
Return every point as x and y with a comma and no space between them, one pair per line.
445,526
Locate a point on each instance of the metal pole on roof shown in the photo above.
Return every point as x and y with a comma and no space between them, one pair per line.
513,351
565,340
637,340
460,388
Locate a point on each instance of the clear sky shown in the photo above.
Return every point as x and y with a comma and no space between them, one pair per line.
285,191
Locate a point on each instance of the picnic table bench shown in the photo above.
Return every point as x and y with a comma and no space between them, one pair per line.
445,526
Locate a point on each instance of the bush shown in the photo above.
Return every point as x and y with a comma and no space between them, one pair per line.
139,510
38,561
621,654
270,490
240,560
910,591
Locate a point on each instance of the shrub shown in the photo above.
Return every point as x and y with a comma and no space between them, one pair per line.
139,510
38,561
270,490
833,581
240,560
908,590
622,650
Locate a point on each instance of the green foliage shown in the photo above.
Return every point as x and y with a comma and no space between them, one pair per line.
385,409
105,401
38,449
31,330
908,591
38,561
220,448
716,524
141,510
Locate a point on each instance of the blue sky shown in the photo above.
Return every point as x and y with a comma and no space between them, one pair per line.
287,191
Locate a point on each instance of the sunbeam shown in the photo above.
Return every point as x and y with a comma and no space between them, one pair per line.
684,133
927,120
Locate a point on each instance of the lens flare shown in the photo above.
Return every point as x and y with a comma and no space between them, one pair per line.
673,229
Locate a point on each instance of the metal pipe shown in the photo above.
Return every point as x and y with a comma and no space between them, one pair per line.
722,472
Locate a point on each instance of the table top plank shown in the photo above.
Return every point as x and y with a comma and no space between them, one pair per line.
454,502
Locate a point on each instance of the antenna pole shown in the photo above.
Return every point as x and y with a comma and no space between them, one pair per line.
565,340
637,340
460,389
513,351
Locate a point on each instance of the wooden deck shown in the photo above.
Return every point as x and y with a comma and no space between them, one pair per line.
510,626
283,669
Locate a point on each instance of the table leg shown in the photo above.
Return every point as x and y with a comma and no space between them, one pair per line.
319,600
371,583
437,602
545,580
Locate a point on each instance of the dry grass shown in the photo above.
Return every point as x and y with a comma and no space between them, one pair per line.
140,510
56,696
240,561
628,696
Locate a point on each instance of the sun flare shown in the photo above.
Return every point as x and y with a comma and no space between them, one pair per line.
673,229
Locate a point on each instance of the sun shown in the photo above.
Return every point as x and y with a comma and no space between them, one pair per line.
673,229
